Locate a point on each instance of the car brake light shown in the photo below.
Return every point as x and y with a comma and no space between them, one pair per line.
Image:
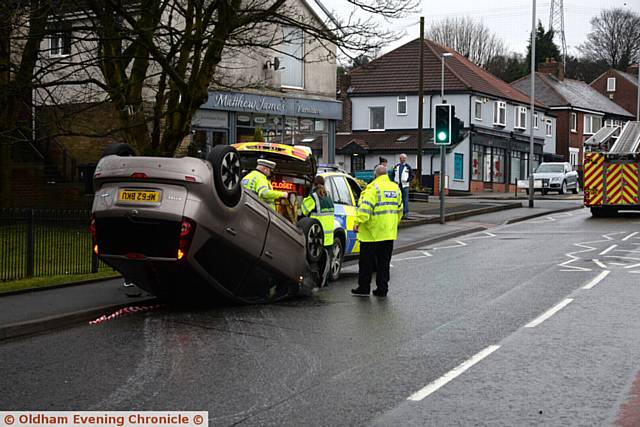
187,230
190,178
139,175
92,227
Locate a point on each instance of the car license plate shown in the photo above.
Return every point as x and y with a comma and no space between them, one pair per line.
139,196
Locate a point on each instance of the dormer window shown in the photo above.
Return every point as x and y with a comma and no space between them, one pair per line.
611,84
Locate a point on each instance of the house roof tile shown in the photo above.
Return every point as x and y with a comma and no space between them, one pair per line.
397,71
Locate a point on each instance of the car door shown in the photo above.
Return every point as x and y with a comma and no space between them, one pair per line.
345,211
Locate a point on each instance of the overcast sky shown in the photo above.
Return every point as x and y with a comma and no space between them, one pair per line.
512,23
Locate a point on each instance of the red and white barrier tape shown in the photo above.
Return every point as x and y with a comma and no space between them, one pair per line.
121,312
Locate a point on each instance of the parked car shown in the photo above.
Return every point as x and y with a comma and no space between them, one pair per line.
556,176
177,225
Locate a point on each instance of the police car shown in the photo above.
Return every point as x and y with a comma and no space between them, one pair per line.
294,173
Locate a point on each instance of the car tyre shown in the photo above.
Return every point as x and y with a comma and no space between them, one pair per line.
225,162
563,188
118,149
313,238
337,254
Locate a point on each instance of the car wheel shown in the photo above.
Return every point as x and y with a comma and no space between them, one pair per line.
337,252
118,149
313,237
563,188
226,173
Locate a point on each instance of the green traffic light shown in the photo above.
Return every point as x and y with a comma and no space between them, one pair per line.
442,136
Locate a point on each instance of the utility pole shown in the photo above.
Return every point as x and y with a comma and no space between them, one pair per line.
420,102
443,151
532,98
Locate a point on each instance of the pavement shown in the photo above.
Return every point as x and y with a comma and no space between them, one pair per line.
26,313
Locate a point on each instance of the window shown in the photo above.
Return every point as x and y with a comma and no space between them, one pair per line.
477,110
520,118
343,195
515,166
500,113
592,124
611,84
458,166
574,154
357,164
402,105
355,188
292,61
549,125
574,122
477,163
376,118
498,165
60,41
535,120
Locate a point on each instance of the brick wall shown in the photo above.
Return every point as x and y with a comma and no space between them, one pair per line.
625,94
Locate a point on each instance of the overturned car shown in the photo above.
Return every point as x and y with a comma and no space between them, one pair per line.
178,225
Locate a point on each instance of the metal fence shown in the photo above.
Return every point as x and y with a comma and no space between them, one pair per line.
43,242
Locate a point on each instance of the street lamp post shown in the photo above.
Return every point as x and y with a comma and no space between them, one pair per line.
532,99
442,148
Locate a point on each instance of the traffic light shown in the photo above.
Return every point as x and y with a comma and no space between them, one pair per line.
442,128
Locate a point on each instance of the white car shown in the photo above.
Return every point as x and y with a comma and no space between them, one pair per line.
556,176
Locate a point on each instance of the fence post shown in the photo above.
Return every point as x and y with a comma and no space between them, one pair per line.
30,244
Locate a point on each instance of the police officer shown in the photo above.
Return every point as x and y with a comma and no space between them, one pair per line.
258,182
379,213
319,205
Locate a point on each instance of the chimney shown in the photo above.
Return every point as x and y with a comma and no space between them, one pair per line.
550,66
633,69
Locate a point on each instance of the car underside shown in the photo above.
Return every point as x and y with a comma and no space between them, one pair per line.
179,227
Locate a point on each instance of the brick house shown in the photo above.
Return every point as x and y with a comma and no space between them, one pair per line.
620,87
580,109
380,119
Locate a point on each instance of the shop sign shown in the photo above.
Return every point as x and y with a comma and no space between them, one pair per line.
272,105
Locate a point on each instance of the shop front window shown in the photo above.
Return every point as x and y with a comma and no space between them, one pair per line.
498,165
477,163
524,165
515,166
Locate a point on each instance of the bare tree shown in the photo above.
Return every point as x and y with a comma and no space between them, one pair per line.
470,38
159,58
614,38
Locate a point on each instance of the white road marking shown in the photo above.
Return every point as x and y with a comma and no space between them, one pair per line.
616,263
549,313
609,249
487,235
459,245
633,266
426,253
601,265
629,236
596,280
622,257
452,374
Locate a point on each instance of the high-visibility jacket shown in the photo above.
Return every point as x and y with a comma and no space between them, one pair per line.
320,208
258,182
379,211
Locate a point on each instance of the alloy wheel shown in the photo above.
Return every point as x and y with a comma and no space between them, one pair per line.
230,170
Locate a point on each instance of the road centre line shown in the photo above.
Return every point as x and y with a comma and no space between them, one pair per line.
601,265
609,249
633,266
622,257
452,374
596,280
548,313
629,236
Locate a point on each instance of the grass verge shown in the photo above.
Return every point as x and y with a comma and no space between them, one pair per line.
42,282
